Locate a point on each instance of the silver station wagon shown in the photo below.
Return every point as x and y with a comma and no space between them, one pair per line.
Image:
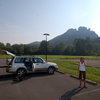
29,64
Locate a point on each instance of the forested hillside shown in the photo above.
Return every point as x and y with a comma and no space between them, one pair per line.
72,34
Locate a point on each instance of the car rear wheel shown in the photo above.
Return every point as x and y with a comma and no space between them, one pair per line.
21,72
51,70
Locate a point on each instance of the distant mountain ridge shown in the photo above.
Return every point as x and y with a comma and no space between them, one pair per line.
34,43
70,35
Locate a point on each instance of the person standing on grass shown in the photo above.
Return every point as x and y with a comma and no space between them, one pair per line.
82,71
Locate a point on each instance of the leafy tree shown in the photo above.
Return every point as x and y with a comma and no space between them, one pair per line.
42,48
96,49
59,48
69,50
9,47
18,49
32,50
2,46
83,46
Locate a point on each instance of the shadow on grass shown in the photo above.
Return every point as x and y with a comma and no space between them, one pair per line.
68,95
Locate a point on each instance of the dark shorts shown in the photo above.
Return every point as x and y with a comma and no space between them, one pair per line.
82,73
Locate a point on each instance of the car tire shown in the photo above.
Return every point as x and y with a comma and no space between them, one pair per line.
21,72
51,70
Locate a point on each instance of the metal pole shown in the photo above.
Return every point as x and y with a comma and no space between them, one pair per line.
46,47
46,44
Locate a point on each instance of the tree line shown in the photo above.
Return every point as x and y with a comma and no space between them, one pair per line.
83,47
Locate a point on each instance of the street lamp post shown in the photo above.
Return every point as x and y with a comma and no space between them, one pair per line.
46,43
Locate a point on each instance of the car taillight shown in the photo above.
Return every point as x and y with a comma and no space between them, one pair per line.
10,66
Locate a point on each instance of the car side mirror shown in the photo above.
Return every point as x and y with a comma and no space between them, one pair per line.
44,62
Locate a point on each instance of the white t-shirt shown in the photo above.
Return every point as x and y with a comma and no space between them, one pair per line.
82,67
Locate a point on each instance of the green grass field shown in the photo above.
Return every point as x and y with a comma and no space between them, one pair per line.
5,57
58,57
70,57
71,68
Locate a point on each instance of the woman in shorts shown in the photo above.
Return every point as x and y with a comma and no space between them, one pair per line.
82,71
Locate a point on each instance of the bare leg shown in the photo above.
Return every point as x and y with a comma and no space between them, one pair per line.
84,75
85,84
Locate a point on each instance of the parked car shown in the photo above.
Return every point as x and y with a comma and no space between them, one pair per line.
18,65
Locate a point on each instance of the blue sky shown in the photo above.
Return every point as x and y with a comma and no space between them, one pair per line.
25,21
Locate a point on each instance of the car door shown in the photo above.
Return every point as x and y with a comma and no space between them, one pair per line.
18,62
39,64
29,67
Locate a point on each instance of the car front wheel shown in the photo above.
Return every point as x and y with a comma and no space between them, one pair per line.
51,70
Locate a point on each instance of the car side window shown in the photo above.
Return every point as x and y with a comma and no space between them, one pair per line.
37,60
19,60
27,59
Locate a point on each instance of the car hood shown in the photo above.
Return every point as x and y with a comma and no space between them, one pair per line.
51,63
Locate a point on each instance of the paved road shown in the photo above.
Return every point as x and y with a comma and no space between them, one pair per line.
42,86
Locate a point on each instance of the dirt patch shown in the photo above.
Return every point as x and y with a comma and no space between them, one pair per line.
93,63
3,62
